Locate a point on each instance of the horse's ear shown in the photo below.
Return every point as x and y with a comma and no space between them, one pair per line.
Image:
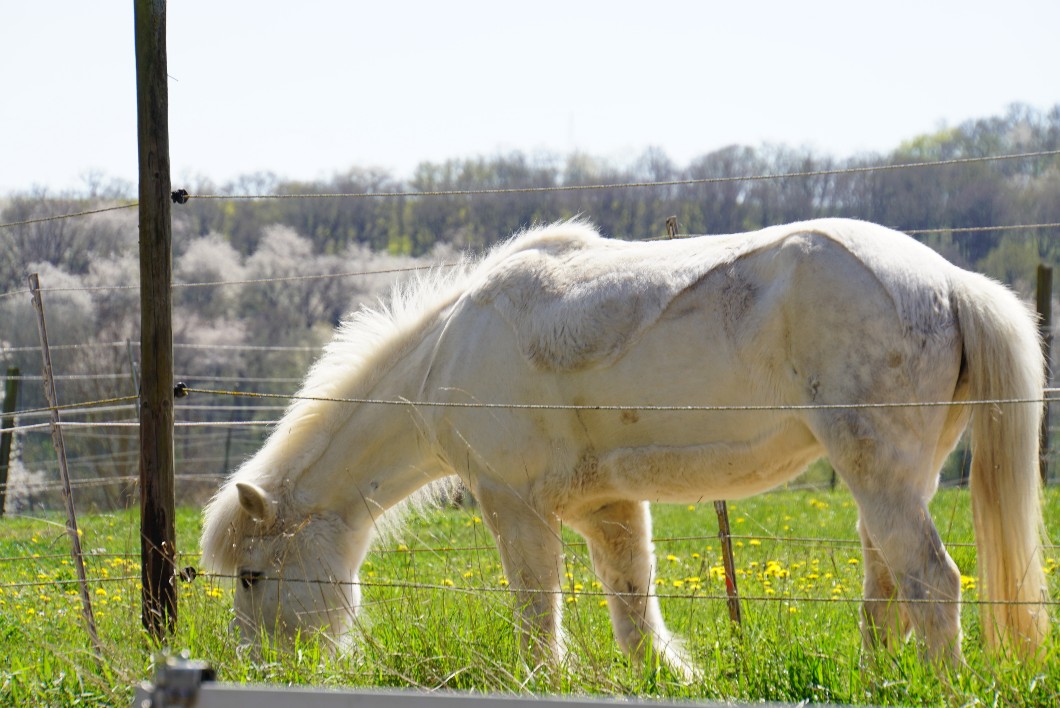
256,502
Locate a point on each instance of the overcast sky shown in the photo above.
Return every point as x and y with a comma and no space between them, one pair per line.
307,89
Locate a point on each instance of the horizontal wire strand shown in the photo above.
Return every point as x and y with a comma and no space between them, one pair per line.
570,187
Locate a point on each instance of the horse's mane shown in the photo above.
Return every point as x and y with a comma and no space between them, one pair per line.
362,349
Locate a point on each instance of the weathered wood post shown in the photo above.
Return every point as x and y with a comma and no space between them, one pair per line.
1044,298
157,535
7,422
72,531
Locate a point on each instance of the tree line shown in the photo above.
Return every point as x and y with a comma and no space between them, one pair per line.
264,240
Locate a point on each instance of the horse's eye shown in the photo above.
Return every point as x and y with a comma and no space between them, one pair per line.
247,578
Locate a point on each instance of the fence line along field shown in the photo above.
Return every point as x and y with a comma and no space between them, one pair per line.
438,613
263,286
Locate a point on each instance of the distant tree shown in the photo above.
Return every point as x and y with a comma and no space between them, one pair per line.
207,260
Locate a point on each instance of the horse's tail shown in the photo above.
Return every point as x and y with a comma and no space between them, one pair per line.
1004,361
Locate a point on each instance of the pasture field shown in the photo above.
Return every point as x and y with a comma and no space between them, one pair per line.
436,614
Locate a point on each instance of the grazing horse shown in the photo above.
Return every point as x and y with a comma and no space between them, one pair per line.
567,377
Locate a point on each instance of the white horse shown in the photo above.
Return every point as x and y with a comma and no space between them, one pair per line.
566,377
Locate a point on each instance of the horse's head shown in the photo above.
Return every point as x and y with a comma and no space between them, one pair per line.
292,573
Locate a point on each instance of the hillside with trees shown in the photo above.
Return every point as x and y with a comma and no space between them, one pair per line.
251,313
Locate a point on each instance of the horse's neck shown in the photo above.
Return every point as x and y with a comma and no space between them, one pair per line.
380,453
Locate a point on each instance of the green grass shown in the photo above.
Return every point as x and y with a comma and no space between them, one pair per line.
437,614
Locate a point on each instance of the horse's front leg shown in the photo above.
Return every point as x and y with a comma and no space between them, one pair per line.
530,546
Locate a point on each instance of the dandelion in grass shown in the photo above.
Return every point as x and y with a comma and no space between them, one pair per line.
774,569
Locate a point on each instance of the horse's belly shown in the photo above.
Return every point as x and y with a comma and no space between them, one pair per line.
694,472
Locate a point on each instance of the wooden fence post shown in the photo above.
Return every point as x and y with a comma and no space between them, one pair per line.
60,452
157,503
1044,298
7,421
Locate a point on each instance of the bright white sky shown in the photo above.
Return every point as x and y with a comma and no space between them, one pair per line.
310,88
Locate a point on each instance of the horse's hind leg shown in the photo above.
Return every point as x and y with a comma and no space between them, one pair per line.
619,537
530,547
891,482
884,622
926,579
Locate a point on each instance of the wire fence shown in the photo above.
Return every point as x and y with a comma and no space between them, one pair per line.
126,404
